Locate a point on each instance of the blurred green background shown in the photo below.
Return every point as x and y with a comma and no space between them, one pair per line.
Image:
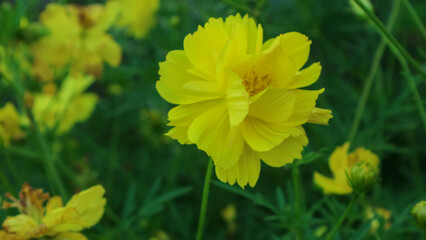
155,185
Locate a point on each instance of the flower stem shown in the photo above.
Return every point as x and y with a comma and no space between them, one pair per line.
391,39
342,218
297,198
55,181
5,182
203,210
372,73
415,17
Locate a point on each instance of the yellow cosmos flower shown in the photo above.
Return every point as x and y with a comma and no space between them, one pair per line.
9,124
378,213
77,37
238,97
53,220
136,16
70,105
340,163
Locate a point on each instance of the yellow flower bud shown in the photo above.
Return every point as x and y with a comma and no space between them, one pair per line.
363,175
419,213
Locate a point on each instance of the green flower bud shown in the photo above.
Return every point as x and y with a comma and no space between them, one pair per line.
419,213
363,175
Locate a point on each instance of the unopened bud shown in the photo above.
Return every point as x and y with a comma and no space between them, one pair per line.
419,213
363,175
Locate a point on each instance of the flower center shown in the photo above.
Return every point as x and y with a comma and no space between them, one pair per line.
255,83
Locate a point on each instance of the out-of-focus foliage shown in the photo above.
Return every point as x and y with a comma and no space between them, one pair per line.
154,185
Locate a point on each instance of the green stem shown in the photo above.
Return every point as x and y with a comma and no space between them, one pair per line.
342,218
391,39
6,183
22,152
203,210
413,87
12,168
372,74
415,17
297,198
55,181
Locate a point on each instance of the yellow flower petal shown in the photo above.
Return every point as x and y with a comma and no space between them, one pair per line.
263,136
70,236
297,46
53,203
174,75
23,226
338,161
246,171
331,186
83,210
320,116
237,99
274,106
212,133
180,134
286,152
136,16
306,77
305,103
109,50
90,205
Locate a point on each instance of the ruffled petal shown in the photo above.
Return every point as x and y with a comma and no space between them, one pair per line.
180,134
246,171
286,152
212,133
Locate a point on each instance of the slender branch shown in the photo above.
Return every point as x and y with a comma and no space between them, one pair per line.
415,17
48,161
342,218
372,73
391,39
204,200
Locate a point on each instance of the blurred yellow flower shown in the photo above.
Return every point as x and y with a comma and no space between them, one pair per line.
53,220
77,37
340,163
9,124
136,16
238,97
70,105
377,213
229,214
160,235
